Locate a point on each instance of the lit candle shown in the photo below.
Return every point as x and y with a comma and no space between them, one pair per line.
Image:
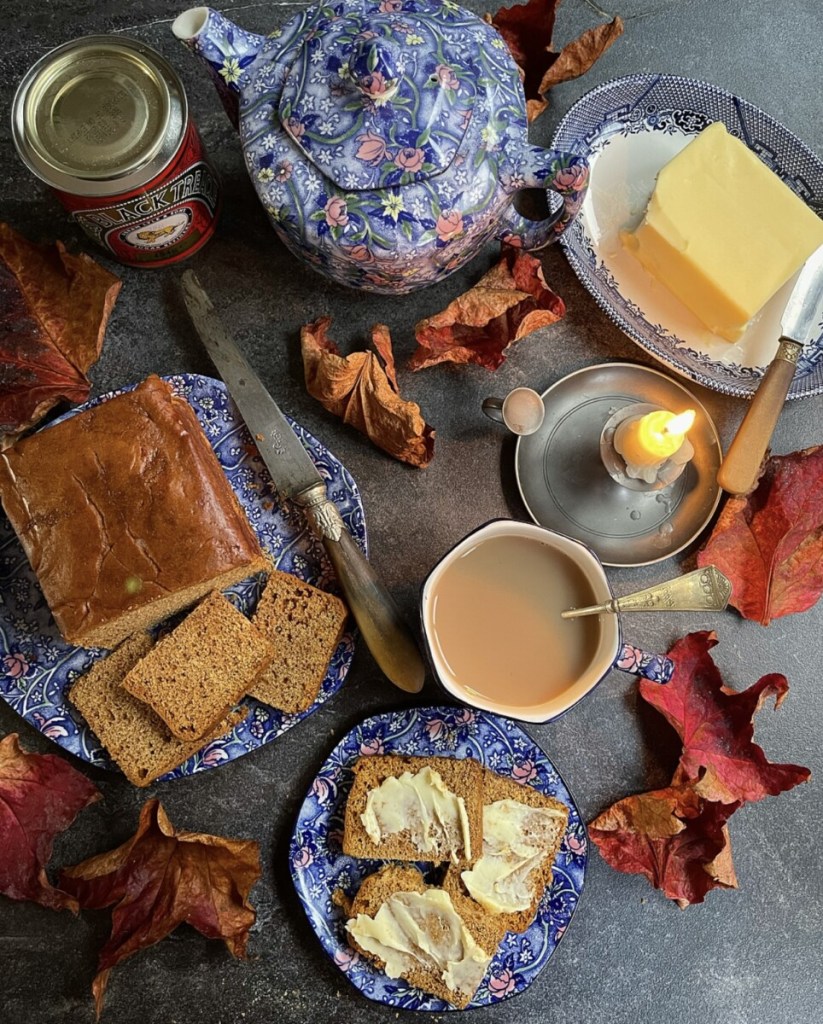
647,441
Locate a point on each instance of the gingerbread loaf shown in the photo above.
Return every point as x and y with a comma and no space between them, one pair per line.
126,515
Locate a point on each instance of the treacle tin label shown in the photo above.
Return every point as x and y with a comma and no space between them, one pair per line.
104,122
165,220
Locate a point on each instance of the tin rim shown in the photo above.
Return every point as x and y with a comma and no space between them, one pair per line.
147,166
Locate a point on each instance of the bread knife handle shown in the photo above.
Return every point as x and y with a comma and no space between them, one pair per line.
740,468
386,634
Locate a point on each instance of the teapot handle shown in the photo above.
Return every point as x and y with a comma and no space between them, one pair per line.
656,667
566,174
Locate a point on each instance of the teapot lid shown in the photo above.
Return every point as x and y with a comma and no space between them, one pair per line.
379,96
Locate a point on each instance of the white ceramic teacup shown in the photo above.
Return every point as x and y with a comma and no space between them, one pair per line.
608,652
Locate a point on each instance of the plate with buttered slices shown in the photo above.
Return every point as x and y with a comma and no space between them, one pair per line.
700,213
439,857
160,611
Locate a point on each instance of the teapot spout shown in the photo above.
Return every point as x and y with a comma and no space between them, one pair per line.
226,49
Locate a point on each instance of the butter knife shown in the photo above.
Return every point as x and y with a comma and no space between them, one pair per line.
739,471
297,480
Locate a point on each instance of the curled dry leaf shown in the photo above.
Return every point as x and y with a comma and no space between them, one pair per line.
770,542
362,390
161,878
527,30
506,304
40,796
715,725
55,307
678,841
678,837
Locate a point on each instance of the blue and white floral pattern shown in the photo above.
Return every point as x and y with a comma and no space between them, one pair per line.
386,138
671,105
37,667
319,867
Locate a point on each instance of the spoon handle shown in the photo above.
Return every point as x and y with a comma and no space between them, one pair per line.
705,589
740,468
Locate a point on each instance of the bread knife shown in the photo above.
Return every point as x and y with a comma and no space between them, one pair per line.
740,469
297,480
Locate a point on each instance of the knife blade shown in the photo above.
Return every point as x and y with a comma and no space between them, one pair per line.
297,480
740,469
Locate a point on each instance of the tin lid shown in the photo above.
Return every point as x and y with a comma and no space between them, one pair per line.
99,115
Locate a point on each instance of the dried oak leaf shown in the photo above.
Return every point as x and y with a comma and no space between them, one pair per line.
161,878
715,725
527,30
770,542
506,304
40,796
54,307
362,390
678,840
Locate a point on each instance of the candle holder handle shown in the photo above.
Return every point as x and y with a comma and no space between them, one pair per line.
702,590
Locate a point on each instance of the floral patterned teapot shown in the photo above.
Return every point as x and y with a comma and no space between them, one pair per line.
385,138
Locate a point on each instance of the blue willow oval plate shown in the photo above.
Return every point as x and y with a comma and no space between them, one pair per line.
629,128
37,667
319,867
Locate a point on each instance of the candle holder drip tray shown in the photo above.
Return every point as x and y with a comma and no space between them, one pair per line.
566,487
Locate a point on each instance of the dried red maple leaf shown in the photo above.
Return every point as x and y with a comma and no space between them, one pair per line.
363,392
673,837
506,304
715,725
770,542
161,878
40,796
677,837
527,30
55,307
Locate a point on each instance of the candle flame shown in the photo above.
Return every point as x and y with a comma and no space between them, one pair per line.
681,424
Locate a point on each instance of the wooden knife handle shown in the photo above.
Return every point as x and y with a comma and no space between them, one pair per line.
739,471
386,634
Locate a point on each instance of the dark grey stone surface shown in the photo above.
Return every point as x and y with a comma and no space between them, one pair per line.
746,957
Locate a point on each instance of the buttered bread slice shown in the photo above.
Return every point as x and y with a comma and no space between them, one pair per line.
440,942
522,832
415,809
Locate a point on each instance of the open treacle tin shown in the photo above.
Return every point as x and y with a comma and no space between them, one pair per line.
104,121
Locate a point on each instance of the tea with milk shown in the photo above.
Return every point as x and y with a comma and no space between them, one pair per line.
497,625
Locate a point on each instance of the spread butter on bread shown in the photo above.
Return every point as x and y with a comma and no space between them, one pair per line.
441,943
522,833
415,809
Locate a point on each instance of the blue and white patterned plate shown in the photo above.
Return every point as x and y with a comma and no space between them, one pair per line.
319,866
37,667
629,128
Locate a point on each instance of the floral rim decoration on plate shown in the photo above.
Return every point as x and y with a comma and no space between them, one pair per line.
641,122
37,667
319,866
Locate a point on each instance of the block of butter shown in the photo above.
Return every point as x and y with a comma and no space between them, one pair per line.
722,232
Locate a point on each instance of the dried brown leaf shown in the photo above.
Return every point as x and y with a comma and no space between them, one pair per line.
362,390
54,310
161,878
506,304
576,58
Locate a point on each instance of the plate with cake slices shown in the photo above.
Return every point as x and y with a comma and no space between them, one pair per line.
700,213
160,611
439,857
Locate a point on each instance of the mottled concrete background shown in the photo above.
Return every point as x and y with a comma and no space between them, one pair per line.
746,957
